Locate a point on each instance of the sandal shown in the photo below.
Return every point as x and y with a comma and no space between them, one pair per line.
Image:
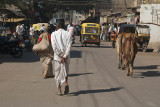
66,91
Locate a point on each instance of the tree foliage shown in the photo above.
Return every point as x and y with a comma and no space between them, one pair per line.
46,8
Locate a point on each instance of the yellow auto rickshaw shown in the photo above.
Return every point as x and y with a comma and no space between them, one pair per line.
90,34
143,32
39,25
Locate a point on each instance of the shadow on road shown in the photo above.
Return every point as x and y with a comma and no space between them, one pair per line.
26,58
93,46
151,74
100,47
76,54
79,74
147,67
147,74
95,91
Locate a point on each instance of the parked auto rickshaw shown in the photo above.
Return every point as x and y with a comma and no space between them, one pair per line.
39,25
90,34
127,28
143,32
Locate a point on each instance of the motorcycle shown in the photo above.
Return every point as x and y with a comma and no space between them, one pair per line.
27,43
11,47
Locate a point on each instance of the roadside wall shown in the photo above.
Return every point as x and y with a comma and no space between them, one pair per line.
154,42
150,15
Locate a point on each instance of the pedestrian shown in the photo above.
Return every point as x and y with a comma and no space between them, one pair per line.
36,35
69,25
118,28
109,32
3,33
31,33
61,43
46,56
71,30
53,28
18,31
22,31
102,36
79,32
43,28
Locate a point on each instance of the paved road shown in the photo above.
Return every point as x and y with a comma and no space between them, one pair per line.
94,81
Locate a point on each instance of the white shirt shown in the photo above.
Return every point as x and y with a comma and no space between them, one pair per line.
18,29
43,28
110,29
118,29
61,41
31,29
71,29
22,29
68,26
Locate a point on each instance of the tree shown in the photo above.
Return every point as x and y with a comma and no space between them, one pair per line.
46,8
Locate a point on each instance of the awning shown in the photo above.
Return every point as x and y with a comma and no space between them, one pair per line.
11,15
12,20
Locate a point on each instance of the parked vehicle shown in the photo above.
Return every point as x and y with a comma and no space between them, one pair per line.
39,25
90,34
10,47
143,32
27,44
127,28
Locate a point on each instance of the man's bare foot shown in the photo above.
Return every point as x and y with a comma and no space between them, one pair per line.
59,91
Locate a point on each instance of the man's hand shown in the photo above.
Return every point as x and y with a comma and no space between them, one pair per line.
63,60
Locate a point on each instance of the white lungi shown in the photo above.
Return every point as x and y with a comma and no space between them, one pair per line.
61,72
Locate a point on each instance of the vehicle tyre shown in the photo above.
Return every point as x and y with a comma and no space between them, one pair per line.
85,44
144,47
98,45
17,52
82,44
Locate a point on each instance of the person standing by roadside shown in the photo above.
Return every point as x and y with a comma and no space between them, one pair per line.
71,30
102,36
109,32
31,33
79,32
46,56
61,43
22,31
36,35
18,31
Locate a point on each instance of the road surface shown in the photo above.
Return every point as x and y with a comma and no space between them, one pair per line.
94,80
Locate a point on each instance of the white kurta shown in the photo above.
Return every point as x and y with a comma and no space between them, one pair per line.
61,43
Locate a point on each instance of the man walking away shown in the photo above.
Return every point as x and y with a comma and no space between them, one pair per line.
71,30
61,41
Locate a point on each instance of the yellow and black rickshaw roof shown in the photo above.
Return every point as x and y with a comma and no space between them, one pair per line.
90,24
